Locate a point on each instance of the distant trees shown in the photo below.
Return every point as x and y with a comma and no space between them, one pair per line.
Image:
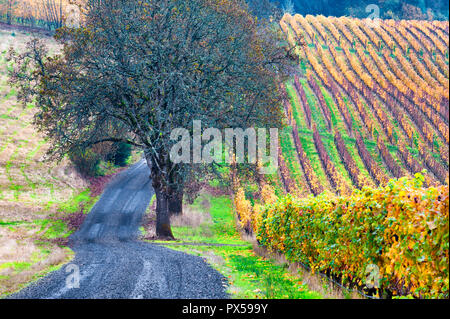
398,9
7,8
288,7
137,70
87,160
44,13
265,9
52,12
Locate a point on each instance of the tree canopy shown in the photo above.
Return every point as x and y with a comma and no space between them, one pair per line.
136,70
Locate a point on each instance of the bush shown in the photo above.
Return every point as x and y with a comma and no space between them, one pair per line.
121,154
250,215
402,228
86,162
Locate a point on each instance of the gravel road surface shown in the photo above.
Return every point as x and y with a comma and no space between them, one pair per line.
112,262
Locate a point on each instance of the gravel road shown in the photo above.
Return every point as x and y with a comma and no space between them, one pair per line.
112,262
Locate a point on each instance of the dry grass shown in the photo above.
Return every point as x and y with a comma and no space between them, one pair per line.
190,217
27,182
21,259
30,186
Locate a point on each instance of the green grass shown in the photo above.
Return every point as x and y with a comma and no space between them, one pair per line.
18,266
78,201
330,147
8,223
316,114
249,275
50,228
311,152
297,110
337,121
306,137
8,117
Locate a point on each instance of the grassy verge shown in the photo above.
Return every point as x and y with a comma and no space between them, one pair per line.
208,229
32,249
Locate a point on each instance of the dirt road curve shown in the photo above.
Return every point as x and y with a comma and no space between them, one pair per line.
112,263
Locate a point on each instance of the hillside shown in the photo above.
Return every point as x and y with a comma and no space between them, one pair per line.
32,190
368,136
369,105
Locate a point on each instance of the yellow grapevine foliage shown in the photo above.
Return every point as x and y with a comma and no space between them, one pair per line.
403,228
244,209
250,216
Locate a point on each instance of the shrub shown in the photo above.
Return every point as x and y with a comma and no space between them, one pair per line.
121,154
86,162
250,215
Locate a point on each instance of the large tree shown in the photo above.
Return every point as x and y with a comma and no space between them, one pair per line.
138,69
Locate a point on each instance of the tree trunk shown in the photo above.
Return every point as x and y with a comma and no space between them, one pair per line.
163,229
176,202
9,14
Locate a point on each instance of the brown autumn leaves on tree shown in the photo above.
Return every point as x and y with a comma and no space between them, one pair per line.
136,70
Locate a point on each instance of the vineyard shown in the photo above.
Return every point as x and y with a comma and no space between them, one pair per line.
363,162
401,229
370,103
